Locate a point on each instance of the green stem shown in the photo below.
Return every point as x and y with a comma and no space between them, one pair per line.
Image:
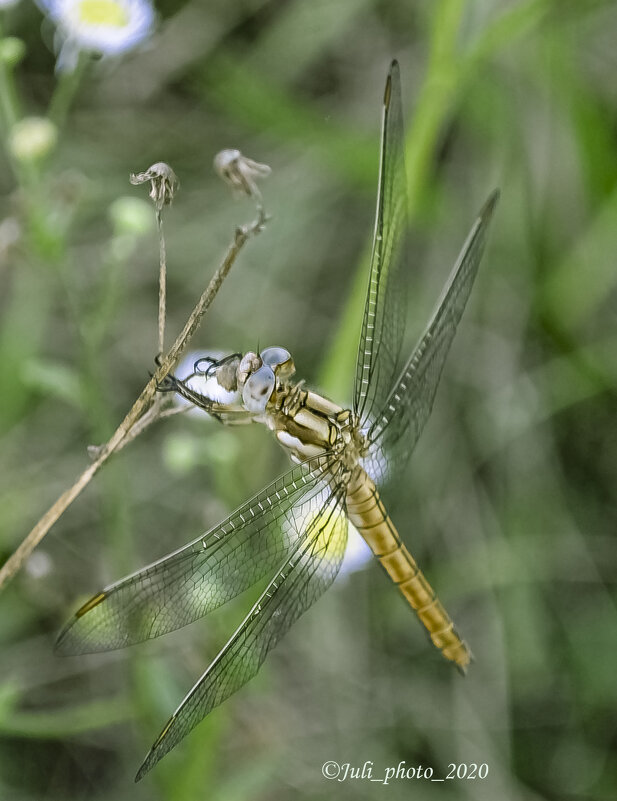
10,113
66,90
88,717
9,104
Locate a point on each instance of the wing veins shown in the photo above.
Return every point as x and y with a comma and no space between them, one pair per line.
181,587
411,398
239,660
382,328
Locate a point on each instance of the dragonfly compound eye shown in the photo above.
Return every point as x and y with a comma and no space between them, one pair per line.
279,360
258,388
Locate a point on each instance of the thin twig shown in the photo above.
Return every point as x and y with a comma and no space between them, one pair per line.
164,185
139,408
162,280
154,413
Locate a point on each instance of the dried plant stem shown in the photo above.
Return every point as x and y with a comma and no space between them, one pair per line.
162,281
154,413
141,406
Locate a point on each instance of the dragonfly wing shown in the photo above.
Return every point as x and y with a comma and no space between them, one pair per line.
305,576
397,429
384,309
217,566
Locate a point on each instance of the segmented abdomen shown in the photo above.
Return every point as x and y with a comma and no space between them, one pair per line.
367,513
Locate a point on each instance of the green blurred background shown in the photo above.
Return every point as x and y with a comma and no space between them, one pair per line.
509,501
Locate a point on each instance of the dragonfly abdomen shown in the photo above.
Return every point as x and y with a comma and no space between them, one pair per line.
367,513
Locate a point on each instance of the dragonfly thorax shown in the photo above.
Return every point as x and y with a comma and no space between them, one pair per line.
307,424
304,422
259,388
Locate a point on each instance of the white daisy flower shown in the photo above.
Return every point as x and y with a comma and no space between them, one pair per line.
357,555
108,27
332,521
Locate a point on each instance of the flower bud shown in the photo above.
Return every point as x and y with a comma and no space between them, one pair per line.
32,138
131,216
12,50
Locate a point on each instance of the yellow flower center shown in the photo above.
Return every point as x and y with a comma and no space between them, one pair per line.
103,12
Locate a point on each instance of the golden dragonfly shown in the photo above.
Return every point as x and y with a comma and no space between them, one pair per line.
296,528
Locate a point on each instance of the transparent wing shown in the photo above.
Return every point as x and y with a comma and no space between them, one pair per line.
397,429
304,577
204,574
384,308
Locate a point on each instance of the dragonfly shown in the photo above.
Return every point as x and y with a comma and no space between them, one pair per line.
295,530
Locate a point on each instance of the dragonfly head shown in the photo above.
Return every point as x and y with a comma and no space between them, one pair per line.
255,376
259,375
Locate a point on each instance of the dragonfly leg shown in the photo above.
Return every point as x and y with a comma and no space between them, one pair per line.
168,384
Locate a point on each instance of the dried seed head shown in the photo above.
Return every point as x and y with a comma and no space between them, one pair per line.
163,183
240,172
